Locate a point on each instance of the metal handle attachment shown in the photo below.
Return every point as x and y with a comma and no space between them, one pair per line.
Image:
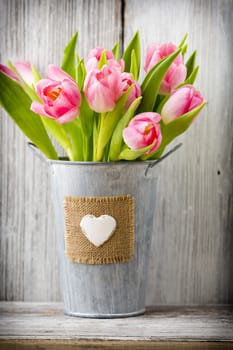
151,165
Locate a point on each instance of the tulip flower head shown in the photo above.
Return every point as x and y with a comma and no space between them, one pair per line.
127,81
142,131
7,71
177,72
102,88
60,96
94,56
25,71
180,102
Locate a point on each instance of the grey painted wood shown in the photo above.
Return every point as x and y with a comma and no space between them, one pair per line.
46,321
191,259
192,247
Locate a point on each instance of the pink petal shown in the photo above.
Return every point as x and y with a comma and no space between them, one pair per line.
177,76
38,108
57,74
176,105
69,116
101,99
71,91
147,116
25,71
43,84
132,139
8,72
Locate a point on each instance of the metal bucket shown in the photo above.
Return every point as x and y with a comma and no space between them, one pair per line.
110,290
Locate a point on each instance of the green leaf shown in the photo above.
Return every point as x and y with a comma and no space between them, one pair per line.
35,73
192,77
80,74
116,51
77,59
133,45
59,134
95,135
73,129
103,60
190,64
68,63
162,103
12,67
175,128
86,117
133,66
129,154
117,137
184,50
108,123
17,104
27,88
181,44
190,80
151,84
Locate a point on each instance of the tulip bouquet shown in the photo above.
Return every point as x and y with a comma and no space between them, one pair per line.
96,109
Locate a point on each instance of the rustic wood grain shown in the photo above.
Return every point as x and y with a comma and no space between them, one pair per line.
191,259
38,31
162,327
106,345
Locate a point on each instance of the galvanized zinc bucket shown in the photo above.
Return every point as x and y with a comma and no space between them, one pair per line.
114,289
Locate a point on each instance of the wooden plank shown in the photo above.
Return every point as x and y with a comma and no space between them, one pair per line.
191,258
38,31
46,321
115,345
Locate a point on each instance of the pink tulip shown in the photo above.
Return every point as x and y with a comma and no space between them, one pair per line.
60,96
177,72
25,71
102,88
8,72
127,81
181,101
142,131
94,56
57,74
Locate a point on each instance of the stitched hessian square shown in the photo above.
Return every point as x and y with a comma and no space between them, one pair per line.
120,246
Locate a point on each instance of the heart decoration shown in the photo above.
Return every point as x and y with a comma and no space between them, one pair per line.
98,230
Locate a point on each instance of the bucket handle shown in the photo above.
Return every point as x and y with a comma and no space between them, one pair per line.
37,152
151,165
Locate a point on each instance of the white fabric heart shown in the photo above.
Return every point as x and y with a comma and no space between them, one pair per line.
98,230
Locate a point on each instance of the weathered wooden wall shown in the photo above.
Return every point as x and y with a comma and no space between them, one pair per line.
191,260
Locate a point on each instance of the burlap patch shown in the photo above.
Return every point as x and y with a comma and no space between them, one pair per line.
120,246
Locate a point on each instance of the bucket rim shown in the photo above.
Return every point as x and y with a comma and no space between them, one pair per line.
150,163
89,163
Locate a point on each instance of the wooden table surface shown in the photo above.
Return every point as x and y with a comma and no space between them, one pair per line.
44,326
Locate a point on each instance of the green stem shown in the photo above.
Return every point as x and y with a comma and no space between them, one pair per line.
70,154
95,137
100,148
